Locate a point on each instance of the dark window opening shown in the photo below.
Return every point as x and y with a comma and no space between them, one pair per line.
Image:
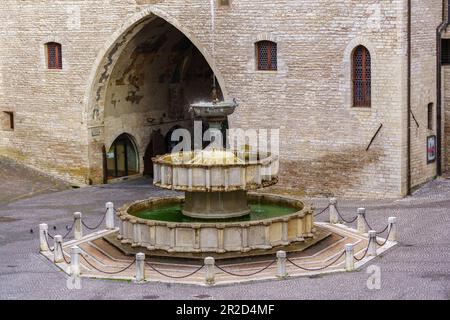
224,3
7,120
445,52
267,55
54,55
430,116
362,77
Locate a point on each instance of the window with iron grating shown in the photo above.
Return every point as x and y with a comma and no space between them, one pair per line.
54,55
362,77
267,55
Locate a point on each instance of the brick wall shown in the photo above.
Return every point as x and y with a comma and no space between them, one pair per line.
323,139
426,16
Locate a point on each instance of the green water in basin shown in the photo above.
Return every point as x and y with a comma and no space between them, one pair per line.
172,213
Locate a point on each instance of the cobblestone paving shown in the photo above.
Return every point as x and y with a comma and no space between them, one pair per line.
18,182
418,268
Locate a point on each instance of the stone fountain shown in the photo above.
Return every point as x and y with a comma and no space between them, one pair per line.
216,215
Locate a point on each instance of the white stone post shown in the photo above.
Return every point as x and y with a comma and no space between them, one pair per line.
58,254
75,252
281,264
210,271
43,237
334,218
361,224
349,257
109,216
77,228
392,229
372,243
140,267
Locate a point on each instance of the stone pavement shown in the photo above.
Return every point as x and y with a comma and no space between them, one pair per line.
418,268
18,182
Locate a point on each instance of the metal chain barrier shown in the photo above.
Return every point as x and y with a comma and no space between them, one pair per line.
318,214
317,269
248,274
385,228
174,277
48,234
386,240
46,240
98,225
108,272
343,219
69,230
365,252
370,228
63,254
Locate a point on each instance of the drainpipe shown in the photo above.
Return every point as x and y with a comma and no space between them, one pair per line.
408,134
440,29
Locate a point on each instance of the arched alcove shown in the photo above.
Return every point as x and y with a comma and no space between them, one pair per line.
146,83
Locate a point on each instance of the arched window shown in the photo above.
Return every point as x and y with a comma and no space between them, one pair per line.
122,158
54,55
362,84
266,54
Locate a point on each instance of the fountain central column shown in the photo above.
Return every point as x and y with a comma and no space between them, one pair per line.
216,205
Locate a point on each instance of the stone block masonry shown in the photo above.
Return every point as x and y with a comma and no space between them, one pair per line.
63,118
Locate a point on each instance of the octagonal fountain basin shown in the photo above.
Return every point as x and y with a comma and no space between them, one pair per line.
214,171
159,224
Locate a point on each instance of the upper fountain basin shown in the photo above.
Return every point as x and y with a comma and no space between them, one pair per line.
214,170
214,110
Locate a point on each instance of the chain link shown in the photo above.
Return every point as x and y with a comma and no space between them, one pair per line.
248,274
318,214
108,272
98,225
62,252
386,240
365,252
69,230
343,219
370,228
174,277
317,269
46,240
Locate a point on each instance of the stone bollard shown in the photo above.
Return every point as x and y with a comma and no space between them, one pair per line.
281,264
75,252
361,223
109,216
372,251
210,271
77,228
392,229
58,254
349,257
334,218
140,267
43,237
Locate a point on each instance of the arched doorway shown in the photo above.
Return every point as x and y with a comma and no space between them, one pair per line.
122,158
